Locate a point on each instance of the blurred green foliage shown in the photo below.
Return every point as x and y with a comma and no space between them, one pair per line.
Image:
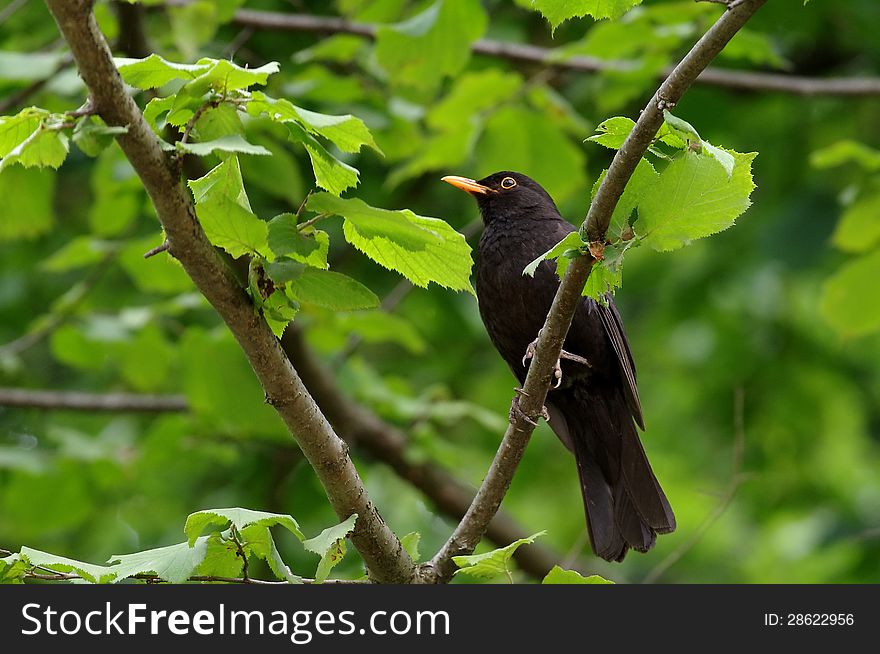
783,308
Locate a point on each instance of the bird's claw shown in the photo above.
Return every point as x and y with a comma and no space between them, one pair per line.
517,413
557,369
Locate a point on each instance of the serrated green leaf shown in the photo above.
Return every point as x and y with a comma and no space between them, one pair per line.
494,563
154,71
571,242
240,518
155,109
850,302
96,574
330,546
232,227
174,564
218,122
559,11
28,139
221,558
331,174
613,132
436,43
92,135
278,310
559,576
603,279
13,569
223,75
859,227
285,239
228,143
693,198
643,179
421,249
332,290
222,181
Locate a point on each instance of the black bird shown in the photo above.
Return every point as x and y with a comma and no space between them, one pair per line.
596,403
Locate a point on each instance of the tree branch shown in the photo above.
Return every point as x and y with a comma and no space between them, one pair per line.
76,401
381,550
468,533
731,79
363,429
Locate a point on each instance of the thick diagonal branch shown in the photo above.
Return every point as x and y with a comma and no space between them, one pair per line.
472,527
328,454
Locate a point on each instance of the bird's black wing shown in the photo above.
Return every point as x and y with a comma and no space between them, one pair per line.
616,334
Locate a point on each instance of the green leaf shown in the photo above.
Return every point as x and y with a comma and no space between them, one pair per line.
693,198
603,279
228,143
571,242
259,542
240,518
329,545
284,270
96,574
285,239
28,208
13,569
559,576
222,558
410,544
846,151
224,181
218,122
331,290
347,132
613,132
434,44
154,71
643,179
331,174
222,75
558,11
230,226
494,563
421,249
174,564
92,135
32,138
681,128
859,227
850,302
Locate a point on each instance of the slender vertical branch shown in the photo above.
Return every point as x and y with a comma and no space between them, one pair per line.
472,527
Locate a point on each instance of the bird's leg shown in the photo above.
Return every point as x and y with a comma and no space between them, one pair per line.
557,370
517,412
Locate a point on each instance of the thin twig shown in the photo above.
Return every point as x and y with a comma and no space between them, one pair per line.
736,479
77,401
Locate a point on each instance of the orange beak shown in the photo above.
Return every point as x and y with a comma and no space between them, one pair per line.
466,184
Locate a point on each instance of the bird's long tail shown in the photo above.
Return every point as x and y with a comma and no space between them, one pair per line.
624,504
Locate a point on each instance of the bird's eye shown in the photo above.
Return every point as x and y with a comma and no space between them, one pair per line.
508,182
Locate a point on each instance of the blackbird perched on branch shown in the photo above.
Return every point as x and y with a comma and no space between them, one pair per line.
593,406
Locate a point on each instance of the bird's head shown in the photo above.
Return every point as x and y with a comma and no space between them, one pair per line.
507,195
